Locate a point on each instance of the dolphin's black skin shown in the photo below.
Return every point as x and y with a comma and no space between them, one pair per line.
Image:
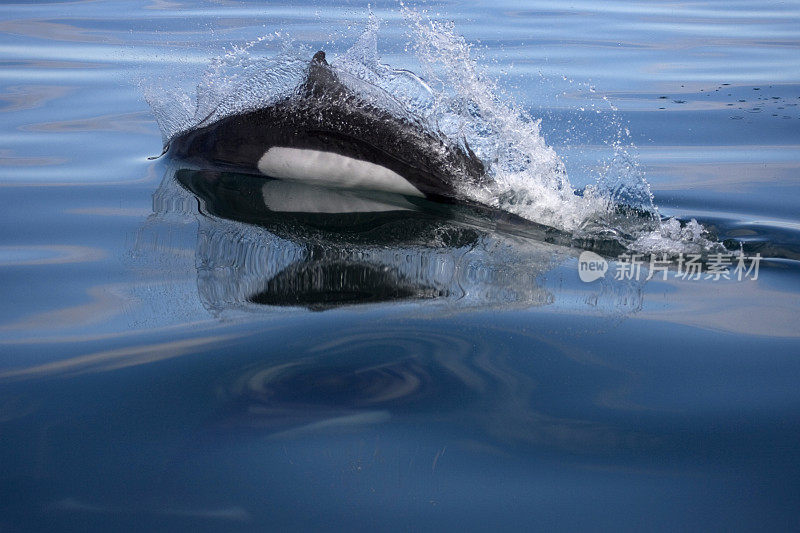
324,115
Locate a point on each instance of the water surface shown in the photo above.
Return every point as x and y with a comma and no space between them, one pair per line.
179,355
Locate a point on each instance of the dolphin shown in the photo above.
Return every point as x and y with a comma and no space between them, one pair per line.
326,134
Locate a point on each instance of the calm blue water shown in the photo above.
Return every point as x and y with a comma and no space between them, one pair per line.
175,356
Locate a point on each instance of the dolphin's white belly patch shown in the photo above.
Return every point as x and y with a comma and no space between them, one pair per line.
332,170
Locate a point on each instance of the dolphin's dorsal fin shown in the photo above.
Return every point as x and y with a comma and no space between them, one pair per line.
319,57
321,80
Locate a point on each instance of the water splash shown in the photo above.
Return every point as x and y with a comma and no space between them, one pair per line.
243,78
529,178
453,96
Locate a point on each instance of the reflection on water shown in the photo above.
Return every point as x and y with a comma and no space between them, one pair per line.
264,244
256,245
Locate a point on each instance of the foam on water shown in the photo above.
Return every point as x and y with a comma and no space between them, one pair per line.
452,96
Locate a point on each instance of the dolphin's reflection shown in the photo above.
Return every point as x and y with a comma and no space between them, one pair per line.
266,242
263,245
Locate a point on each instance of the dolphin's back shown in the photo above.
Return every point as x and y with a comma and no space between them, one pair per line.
328,135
